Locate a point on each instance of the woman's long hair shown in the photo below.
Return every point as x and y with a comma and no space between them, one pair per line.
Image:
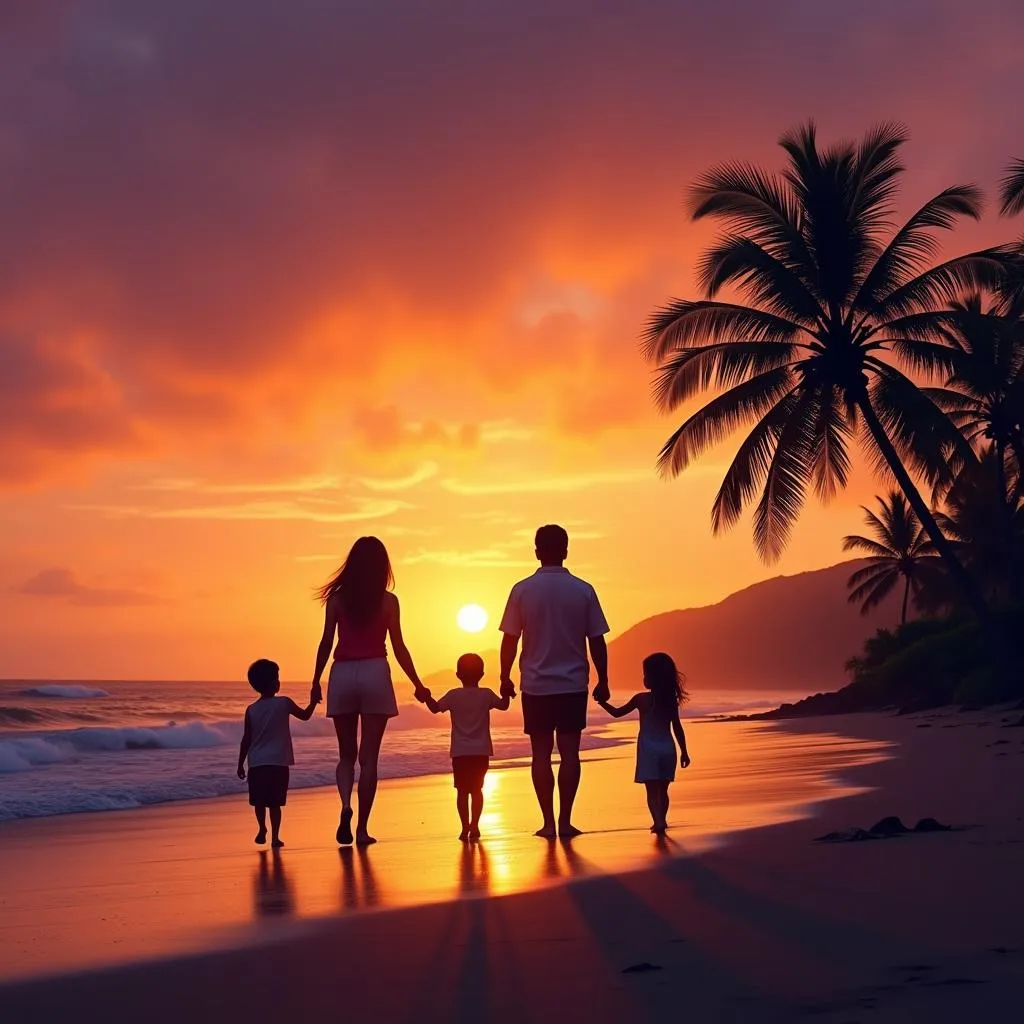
361,582
665,682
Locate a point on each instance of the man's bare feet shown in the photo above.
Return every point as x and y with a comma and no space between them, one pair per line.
261,837
546,832
569,831
277,844
364,839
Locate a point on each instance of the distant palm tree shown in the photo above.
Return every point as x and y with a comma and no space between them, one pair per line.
1011,191
899,549
982,356
831,294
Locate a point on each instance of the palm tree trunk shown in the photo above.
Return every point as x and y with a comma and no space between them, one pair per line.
1005,521
973,596
906,596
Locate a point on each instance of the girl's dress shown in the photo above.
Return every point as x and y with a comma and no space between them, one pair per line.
655,747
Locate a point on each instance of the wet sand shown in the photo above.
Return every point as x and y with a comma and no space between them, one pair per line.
736,922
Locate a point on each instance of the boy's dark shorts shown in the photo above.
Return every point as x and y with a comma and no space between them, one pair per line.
469,772
554,712
268,785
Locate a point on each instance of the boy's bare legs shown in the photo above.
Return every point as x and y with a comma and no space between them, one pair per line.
275,828
369,751
347,729
568,781
261,820
477,800
542,744
462,802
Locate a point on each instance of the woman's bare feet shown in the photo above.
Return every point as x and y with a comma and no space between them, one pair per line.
364,839
261,837
569,831
474,831
463,835
277,844
344,833
546,832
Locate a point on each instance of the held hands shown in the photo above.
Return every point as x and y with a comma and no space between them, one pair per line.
508,689
316,694
602,692
421,693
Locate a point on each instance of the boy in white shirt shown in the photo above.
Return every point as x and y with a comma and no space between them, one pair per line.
471,749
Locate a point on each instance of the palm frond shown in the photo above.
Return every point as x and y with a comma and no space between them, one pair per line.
683,323
830,462
871,595
721,416
914,244
1011,189
722,365
854,542
786,481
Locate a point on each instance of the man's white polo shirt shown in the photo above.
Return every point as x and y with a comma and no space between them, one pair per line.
554,612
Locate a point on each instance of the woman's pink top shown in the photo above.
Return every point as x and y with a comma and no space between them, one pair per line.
358,641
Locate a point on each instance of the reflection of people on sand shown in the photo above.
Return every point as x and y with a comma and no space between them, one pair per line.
359,889
562,861
271,891
473,870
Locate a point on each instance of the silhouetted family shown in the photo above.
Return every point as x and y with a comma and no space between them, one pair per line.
556,617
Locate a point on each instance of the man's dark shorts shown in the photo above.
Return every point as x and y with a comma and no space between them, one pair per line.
554,712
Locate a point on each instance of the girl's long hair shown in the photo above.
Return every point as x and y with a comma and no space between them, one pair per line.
666,682
361,582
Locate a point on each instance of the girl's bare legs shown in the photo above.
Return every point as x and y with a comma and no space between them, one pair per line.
653,804
275,827
369,751
664,807
347,729
462,802
261,820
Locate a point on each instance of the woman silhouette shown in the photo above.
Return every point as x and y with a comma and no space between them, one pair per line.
362,611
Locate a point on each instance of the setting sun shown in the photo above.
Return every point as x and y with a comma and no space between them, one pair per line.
471,618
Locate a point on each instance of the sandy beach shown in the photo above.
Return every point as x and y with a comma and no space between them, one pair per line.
739,915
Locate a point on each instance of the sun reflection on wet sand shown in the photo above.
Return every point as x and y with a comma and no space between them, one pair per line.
185,877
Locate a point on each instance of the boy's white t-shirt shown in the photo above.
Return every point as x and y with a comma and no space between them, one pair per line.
470,708
270,731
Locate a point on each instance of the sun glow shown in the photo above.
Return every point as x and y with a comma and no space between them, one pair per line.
471,618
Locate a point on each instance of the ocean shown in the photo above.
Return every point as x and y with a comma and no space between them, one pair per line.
67,748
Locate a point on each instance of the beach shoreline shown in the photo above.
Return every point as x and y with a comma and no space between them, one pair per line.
733,925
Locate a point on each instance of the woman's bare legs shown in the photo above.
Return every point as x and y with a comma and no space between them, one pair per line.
373,727
347,728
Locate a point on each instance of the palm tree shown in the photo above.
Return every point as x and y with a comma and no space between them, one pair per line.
1011,191
986,525
982,356
829,294
899,549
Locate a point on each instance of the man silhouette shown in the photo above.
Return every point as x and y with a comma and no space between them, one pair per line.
558,616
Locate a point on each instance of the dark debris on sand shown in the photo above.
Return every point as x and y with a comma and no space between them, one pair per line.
885,828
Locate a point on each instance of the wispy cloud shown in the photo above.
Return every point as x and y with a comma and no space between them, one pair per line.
302,485
62,585
481,558
553,484
498,431
313,511
418,476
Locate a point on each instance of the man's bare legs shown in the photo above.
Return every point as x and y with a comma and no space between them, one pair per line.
543,744
462,803
261,821
347,729
477,802
369,751
568,781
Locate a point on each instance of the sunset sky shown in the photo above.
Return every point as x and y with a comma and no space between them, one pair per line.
273,275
